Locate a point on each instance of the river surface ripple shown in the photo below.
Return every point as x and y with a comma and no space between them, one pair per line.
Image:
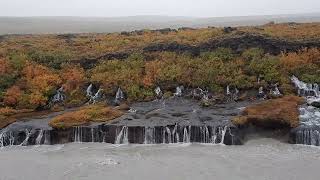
263,158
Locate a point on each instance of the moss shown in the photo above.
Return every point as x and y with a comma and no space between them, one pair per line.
85,115
282,112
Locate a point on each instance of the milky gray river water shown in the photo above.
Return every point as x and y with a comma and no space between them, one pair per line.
264,159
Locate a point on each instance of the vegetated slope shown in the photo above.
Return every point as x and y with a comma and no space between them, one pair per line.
33,67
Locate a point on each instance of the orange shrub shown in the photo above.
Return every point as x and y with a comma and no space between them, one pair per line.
272,113
93,113
73,77
12,96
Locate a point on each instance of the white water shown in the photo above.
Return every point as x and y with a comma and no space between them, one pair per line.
39,138
149,135
158,92
178,91
77,134
28,134
122,136
59,96
260,159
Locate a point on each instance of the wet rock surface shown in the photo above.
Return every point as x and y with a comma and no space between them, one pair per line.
174,120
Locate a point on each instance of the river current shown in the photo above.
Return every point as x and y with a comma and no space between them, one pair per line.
258,159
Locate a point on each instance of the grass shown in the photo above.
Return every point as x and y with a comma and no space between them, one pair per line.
282,112
85,115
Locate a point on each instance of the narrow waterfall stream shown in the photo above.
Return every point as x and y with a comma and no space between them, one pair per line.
122,137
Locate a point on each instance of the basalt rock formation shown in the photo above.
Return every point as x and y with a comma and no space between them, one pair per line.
175,120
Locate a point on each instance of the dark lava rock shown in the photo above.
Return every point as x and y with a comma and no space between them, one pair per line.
304,134
315,104
174,120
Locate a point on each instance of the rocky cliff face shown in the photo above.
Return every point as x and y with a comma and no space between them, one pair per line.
176,120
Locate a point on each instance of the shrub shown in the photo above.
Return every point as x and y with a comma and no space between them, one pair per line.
85,115
281,112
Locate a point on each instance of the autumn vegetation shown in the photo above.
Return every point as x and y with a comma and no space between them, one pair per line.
84,116
33,67
274,113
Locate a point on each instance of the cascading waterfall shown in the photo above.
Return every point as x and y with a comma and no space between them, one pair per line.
308,137
187,134
97,96
308,131
205,136
122,136
119,96
175,134
158,92
275,90
28,134
77,134
305,89
59,96
149,135
179,90
92,135
93,97
169,134
89,91
3,138
232,95
39,138
222,131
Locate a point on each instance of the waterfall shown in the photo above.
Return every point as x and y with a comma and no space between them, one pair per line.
89,91
178,91
149,135
47,140
39,138
275,90
170,140
92,134
213,135
122,136
119,96
308,137
228,90
28,133
187,134
93,97
205,135
2,138
77,137
175,134
158,92
222,132
97,96
305,89
59,96
232,95
6,138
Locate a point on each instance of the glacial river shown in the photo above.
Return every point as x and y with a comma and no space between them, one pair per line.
258,159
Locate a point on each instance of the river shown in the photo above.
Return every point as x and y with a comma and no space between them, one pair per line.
258,159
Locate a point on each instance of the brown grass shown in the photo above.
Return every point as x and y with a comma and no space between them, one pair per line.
93,113
281,112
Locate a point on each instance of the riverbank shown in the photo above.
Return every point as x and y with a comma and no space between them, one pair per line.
258,159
